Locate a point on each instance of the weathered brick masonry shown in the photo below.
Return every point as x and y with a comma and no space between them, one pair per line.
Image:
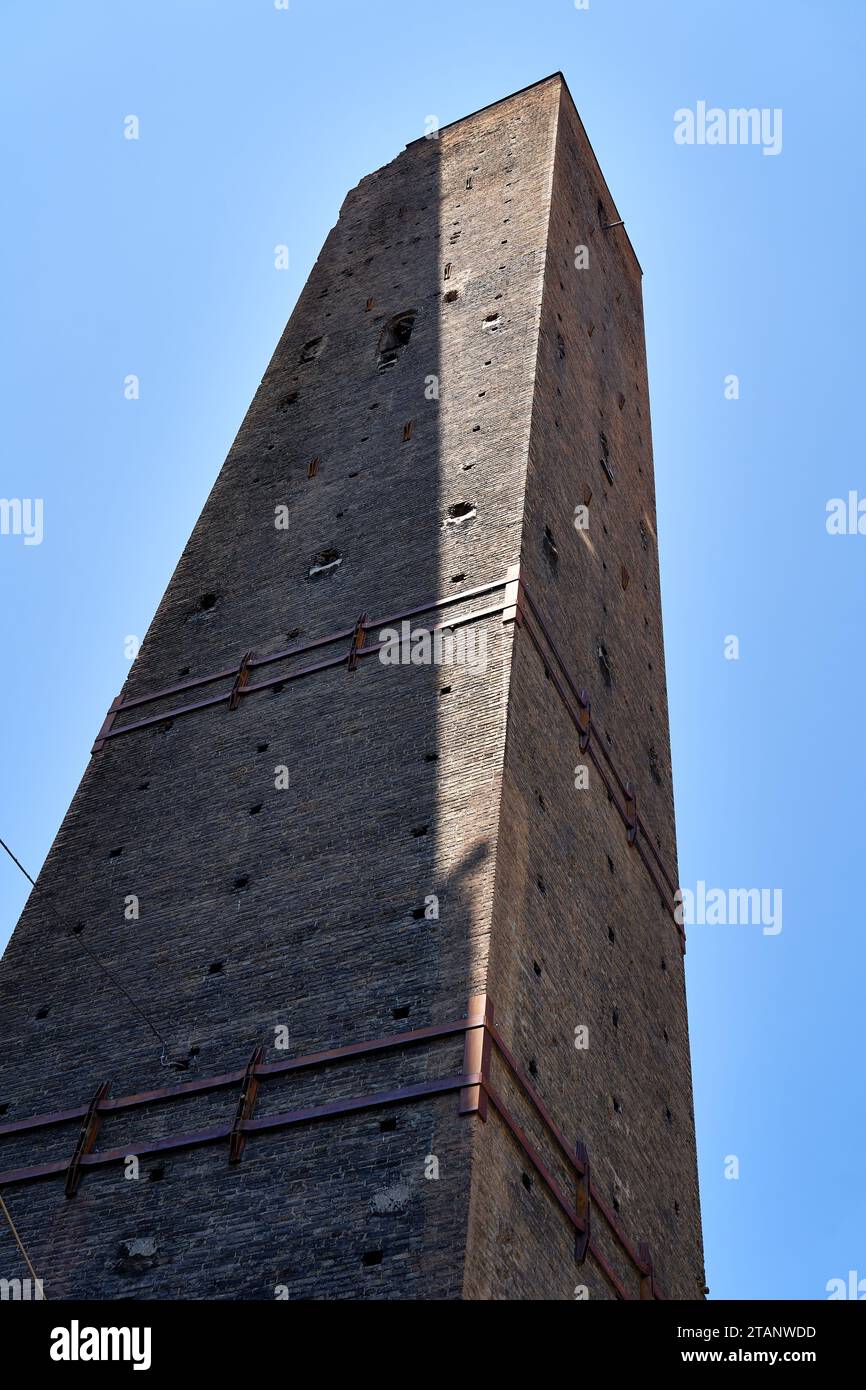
447,390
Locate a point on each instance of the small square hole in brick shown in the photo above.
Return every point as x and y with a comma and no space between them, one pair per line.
326,562
311,350
460,512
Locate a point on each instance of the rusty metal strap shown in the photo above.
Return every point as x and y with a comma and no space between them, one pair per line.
250,664
219,1133
473,1084
246,1105
581,699
241,681
627,812
575,1158
232,1078
85,1141
583,1238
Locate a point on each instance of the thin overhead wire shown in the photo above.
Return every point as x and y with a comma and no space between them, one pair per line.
19,1242
104,968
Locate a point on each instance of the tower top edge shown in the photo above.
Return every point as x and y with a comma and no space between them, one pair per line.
559,77
489,106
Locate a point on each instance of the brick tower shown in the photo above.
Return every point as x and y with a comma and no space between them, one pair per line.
355,977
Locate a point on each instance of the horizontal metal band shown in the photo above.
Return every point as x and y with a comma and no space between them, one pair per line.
244,1127
233,1078
250,663
220,1133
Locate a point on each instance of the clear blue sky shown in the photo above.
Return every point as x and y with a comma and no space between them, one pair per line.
155,257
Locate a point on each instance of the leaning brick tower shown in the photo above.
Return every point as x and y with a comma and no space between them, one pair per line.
355,977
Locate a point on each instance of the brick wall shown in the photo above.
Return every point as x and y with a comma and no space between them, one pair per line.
580,936
263,907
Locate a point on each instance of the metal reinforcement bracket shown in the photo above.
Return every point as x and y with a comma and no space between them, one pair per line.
86,1139
358,638
241,681
583,1203
246,1106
